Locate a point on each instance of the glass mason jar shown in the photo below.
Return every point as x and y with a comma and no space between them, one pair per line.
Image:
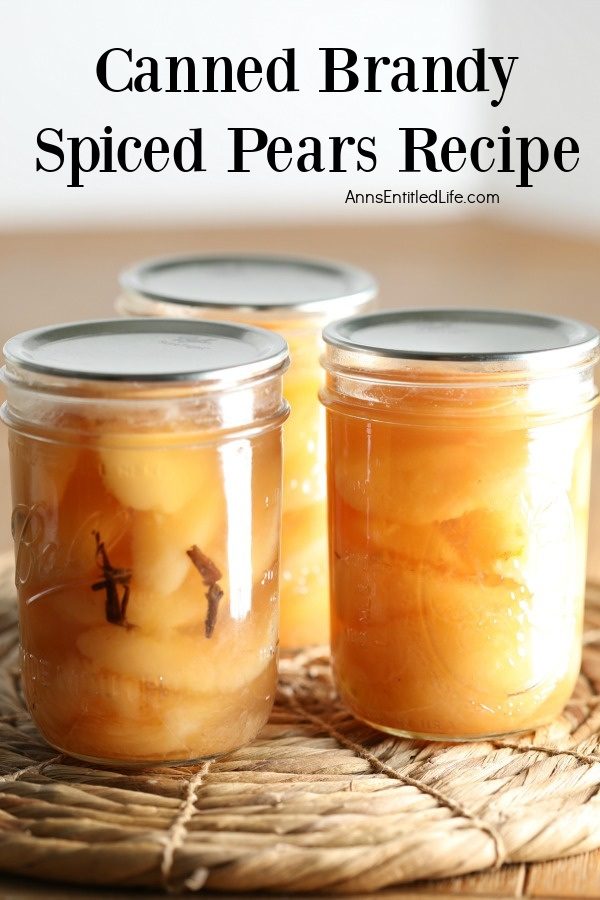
146,478
459,447
296,298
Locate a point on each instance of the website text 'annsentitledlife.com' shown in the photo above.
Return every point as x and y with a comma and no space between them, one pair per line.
439,197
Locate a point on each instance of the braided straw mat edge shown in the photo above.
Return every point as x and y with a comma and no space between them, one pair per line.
318,803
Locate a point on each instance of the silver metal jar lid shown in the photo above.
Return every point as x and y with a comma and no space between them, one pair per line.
252,282
148,350
464,336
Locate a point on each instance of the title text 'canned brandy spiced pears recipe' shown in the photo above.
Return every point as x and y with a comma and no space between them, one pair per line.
459,462
296,298
146,478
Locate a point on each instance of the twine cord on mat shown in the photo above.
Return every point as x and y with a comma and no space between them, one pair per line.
36,769
378,765
13,718
589,701
587,758
591,637
176,834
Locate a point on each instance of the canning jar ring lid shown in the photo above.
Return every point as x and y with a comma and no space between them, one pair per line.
149,350
251,282
463,336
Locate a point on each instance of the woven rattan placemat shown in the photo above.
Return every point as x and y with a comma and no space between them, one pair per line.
318,803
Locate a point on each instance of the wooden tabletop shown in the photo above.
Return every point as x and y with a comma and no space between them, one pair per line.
576,877
47,278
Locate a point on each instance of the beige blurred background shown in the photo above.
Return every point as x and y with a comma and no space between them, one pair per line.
61,249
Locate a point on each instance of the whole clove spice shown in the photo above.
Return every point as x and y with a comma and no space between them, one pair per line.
210,574
112,579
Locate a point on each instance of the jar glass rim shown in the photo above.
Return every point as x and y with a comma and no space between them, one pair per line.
148,351
251,282
458,341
